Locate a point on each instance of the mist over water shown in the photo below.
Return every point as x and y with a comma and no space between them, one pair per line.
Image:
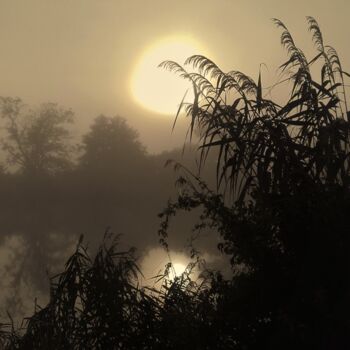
55,188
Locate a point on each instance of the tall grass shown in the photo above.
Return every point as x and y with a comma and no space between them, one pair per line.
261,143
282,209
99,304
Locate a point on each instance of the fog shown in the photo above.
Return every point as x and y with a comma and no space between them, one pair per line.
107,170
81,54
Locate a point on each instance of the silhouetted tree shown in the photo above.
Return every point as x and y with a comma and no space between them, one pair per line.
36,143
113,170
110,144
36,140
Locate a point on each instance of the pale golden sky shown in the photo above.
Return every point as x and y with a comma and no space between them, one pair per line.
82,53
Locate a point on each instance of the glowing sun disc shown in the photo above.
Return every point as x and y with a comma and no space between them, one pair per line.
158,89
179,268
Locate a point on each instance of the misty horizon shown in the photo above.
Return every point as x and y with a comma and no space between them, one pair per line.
83,56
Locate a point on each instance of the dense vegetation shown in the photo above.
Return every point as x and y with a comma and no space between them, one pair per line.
281,212
53,188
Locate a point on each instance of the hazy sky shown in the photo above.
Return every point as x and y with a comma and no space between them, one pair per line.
82,53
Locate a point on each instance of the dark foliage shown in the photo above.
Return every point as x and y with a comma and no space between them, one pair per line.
284,171
44,211
98,304
281,212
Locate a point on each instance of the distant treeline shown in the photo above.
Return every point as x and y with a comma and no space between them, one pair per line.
53,189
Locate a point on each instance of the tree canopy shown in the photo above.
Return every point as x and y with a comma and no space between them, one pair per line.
36,140
107,141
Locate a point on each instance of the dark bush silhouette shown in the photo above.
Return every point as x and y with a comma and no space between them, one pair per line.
284,172
98,304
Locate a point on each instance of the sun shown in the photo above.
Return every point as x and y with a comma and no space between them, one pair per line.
179,268
155,262
155,88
